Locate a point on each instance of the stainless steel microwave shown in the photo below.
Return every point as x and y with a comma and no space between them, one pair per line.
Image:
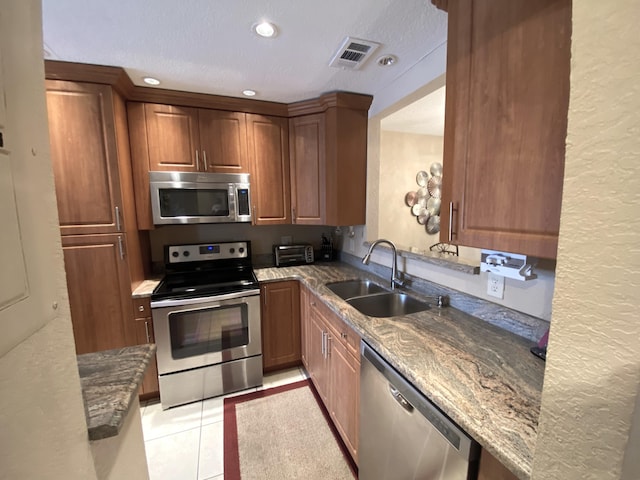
185,197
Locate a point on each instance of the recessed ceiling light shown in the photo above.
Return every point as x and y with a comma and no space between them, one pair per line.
387,60
151,81
249,93
265,29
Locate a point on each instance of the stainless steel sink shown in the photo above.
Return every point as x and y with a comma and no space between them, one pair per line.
390,304
354,288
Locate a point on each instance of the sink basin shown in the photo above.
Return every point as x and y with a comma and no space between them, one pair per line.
355,288
390,304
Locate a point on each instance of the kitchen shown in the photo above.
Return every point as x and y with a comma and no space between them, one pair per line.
563,437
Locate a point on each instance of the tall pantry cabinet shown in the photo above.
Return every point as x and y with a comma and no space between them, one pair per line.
102,254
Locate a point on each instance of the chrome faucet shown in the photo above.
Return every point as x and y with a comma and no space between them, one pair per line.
395,281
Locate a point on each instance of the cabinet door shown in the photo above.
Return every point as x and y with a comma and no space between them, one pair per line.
304,324
99,291
492,469
223,141
318,362
280,325
308,169
84,157
505,124
172,138
144,334
345,391
270,182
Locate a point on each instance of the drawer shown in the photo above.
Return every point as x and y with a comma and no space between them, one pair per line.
141,307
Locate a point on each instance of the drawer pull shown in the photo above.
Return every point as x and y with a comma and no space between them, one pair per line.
141,308
343,335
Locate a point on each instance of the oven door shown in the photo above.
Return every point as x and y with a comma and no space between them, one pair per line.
197,332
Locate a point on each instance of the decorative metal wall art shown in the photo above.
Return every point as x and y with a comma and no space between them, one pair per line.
425,200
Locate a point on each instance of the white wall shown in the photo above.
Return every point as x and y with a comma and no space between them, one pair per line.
593,364
43,431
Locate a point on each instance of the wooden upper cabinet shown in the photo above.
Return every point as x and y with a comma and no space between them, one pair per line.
183,139
268,140
223,141
84,157
308,169
172,138
329,161
508,64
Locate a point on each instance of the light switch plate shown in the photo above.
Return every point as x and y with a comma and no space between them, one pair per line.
495,285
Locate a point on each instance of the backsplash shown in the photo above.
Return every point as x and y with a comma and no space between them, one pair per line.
262,238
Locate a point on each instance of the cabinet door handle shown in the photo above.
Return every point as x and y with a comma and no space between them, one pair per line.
255,215
146,330
293,215
451,232
121,248
323,347
204,160
328,347
118,222
197,161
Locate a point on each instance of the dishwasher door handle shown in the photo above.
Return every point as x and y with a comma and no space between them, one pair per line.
404,403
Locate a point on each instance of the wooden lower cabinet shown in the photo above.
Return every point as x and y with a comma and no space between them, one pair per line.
143,325
280,313
492,469
333,366
99,291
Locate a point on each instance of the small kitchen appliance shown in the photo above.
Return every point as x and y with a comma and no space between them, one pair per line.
187,197
206,319
288,255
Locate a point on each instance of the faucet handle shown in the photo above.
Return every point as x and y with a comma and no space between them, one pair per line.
397,282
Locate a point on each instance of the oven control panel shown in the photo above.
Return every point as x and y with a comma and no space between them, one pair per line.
207,251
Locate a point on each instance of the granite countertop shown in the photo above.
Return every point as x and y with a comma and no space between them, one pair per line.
482,376
110,382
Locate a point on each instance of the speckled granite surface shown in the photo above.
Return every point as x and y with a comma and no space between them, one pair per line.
481,376
110,381
145,289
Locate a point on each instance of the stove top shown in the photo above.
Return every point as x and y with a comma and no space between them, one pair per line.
204,270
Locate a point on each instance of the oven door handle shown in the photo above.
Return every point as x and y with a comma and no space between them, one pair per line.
179,302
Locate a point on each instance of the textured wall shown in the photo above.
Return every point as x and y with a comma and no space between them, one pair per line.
593,367
402,156
43,431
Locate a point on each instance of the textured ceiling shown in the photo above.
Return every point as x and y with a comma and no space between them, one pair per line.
208,46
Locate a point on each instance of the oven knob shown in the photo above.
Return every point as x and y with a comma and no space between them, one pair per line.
185,253
175,254
232,250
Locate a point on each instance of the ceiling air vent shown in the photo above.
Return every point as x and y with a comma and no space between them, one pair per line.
353,53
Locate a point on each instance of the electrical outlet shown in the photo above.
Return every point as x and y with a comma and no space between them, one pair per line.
495,285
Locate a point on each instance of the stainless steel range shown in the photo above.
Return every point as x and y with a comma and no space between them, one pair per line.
206,318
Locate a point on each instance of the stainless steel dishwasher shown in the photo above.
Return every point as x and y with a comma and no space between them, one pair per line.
402,434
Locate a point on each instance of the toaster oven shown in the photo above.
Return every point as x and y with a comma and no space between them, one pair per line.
286,255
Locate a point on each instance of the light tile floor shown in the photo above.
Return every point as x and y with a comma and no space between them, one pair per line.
186,442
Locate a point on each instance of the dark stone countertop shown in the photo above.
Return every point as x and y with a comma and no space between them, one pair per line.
482,376
110,382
